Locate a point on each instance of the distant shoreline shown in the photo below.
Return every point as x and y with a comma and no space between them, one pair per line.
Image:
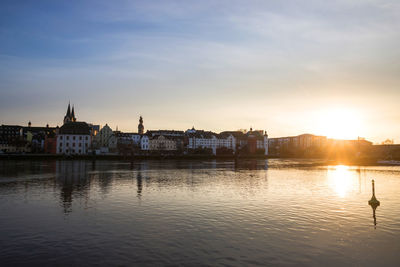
357,162
122,157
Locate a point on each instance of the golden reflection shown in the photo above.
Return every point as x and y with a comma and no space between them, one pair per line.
340,179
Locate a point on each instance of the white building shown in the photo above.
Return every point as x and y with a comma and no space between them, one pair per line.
209,140
145,142
252,141
128,138
73,138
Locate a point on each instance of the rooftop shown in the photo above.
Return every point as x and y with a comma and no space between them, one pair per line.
78,127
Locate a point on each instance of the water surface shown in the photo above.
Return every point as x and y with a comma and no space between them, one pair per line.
147,213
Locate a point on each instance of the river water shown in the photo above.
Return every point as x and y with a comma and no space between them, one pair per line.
218,213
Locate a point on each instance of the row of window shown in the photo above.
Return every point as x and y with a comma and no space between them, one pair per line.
155,147
208,145
73,137
9,132
71,151
73,145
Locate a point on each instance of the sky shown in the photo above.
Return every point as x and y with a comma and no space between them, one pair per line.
289,66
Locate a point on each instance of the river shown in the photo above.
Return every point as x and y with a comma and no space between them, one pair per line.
217,213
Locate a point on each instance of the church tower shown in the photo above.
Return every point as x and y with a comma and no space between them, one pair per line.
140,126
70,116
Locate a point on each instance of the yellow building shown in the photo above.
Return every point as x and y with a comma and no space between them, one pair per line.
162,143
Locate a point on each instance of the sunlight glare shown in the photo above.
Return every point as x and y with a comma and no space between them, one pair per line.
339,123
340,179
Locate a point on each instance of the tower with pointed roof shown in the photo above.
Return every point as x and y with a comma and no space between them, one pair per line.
140,126
70,116
73,114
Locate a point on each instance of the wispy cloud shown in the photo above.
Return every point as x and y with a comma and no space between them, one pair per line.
247,60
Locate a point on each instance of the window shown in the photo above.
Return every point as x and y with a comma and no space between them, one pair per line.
73,138
79,151
60,144
73,144
80,137
67,144
86,138
60,150
80,144
67,137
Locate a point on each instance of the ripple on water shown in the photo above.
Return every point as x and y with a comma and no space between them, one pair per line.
196,213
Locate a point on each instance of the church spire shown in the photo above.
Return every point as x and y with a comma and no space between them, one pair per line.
73,114
70,116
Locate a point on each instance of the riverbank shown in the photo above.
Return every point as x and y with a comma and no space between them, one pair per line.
319,161
123,157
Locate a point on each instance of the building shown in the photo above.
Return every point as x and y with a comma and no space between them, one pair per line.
229,141
348,149
386,151
11,138
128,138
162,143
309,145
239,139
16,139
257,142
35,137
201,140
145,142
133,142
171,140
50,143
94,130
243,142
226,143
106,138
303,143
166,133
74,138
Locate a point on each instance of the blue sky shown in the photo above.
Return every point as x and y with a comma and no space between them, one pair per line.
218,65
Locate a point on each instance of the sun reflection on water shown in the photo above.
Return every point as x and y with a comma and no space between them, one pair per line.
340,179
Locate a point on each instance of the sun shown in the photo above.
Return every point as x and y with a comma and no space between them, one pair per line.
339,123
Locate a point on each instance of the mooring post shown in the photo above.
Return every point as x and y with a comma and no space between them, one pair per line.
373,188
373,201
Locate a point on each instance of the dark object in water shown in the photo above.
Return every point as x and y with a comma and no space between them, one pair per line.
373,201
